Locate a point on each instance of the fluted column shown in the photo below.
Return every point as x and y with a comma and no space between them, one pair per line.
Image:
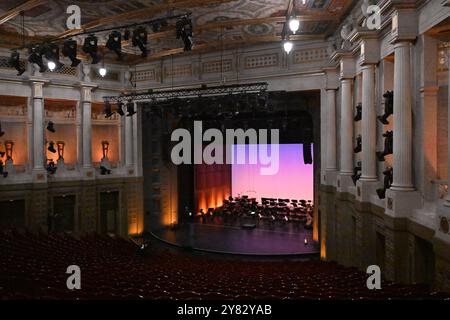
129,141
369,165
86,109
447,200
38,125
331,130
346,127
402,118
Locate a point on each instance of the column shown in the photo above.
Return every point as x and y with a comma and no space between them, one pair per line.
86,107
447,200
38,125
402,118
369,129
331,130
129,141
346,127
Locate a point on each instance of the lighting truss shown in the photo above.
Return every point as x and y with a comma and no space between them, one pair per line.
203,91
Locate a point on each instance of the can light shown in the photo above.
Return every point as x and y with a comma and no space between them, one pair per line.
287,46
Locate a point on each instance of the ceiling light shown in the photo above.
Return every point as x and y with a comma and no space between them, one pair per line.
294,24
69,50
14,60
287,46
90,47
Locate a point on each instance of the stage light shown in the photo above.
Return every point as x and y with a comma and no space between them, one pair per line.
388,107
35,57
307,156
2,154
130,109
50,127
114,43
387,182
126,35
2,172
104,170
388,145
69,50
140,40
287,46
51,168
90,47
107,109
102,71
1,131
358,147
184,31
305,241
14,60
294,24
355,176
51,53
358,115
120,109
51,147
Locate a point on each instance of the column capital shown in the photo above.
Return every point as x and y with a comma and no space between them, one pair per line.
331,78
37,85
404,22
346,63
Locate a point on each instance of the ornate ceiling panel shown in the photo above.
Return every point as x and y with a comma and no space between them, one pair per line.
238,20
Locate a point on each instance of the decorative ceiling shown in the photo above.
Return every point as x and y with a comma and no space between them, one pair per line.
216,23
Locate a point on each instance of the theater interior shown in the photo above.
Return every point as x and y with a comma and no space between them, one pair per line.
224,150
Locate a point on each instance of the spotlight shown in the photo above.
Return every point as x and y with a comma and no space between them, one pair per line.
294,24
90,47
126,35
156,27
355,176
2,154
2,172
51,147
120,109
358,147
51,168
107,109
51,53
70,50
104,170
388,107
50,127
358,115
387,182
184,31
36,57
287,46
1,131
140,40
114,43
14,60
130,109
388,145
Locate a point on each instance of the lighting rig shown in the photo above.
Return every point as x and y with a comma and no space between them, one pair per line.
229,99
47,54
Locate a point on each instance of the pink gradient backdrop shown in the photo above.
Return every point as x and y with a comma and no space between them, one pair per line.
294,179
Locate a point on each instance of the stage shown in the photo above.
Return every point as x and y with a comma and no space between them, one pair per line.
233,239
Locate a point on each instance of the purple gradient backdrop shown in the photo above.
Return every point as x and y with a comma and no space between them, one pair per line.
294,179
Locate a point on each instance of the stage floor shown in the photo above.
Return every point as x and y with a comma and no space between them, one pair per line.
237,240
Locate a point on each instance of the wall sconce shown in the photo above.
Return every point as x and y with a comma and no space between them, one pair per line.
105,149
60,145
9,149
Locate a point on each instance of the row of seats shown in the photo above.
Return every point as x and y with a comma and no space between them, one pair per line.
33,266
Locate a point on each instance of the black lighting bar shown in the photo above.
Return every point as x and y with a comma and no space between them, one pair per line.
124,27
203,91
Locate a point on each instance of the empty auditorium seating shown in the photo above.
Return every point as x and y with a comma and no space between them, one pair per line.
33,267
